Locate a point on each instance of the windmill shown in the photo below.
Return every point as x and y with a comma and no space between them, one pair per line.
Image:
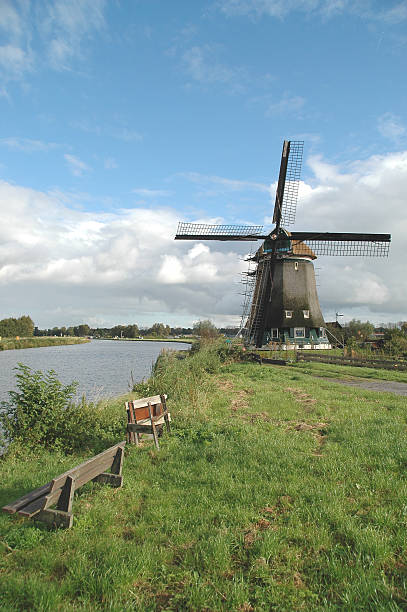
284,305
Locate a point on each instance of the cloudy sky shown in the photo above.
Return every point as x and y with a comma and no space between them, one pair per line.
119,118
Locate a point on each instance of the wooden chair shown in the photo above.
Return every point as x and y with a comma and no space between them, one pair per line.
147,415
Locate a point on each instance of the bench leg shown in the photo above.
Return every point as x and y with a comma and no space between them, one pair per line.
117,465
167,423
114,480
153,427
55,518
67,493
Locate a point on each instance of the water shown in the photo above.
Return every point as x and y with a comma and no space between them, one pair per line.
103,368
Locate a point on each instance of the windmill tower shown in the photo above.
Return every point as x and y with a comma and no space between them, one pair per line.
285,307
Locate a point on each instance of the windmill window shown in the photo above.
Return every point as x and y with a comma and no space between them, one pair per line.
306,314
296,265
274,333
322,332
299,332
288,314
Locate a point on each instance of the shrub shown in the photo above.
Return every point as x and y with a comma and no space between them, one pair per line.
41,412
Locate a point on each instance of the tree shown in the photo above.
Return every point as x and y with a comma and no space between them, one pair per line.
205,329
159,330
395,341
11,327
82,330
357,330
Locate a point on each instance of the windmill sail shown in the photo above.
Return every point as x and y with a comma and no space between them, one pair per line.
205,231
288,183
341,244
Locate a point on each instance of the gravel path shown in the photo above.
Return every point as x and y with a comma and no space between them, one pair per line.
399,388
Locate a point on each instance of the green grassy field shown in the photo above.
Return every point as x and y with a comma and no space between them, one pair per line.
12,344
276,491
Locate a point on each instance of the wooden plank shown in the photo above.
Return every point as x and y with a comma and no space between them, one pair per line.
35,507
114,480
140,403
27,499
146,423
59,481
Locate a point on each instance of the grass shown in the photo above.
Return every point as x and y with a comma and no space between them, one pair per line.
328,370
23,343
275,491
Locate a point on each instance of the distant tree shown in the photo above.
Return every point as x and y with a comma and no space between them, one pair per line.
205,329
82,330
355,330
131,331
158,330
395,341
23,326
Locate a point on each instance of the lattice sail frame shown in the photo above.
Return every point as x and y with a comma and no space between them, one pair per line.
217,232
292,182
341,248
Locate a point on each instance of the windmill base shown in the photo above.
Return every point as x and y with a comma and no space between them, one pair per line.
296,347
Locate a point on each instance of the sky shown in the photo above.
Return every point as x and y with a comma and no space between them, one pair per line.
119,118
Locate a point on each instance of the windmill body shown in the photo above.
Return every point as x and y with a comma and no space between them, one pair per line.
292,315
284,307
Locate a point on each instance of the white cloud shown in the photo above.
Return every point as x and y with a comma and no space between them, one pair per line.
67,265
27,145
9,18
110,163
152,193
14,61
390,126
76,165
64,27
223,184
117,265
67,25
126,134
287,105
202,65
366,9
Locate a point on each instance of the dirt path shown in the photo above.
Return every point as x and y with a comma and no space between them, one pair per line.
389,386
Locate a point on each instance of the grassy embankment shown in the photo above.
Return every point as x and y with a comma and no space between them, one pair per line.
276,490
23,343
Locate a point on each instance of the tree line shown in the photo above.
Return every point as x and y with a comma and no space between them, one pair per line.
157,330
11,327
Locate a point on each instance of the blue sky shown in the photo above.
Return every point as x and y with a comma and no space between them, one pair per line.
119,118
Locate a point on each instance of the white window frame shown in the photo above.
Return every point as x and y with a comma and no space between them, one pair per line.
288,314
322,332
299,329
306,314
274,333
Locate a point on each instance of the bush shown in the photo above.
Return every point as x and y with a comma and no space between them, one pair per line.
41,412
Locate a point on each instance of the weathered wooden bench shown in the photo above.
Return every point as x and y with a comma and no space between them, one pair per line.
60,490
147,415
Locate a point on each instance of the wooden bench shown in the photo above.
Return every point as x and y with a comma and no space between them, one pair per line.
147,415
60,491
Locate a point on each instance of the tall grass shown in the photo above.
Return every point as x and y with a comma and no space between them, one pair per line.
275,491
